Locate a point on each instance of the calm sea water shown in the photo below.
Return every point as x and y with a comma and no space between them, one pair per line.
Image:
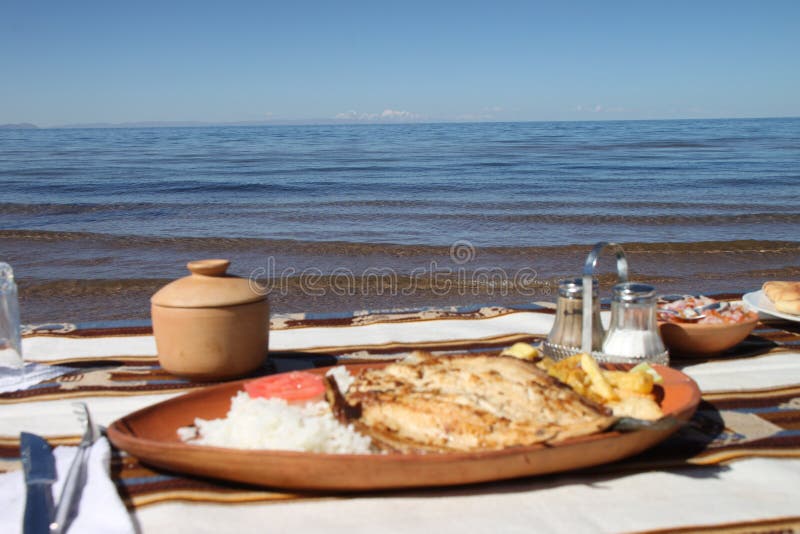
503,184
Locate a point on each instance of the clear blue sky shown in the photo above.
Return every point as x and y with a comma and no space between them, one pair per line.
108,61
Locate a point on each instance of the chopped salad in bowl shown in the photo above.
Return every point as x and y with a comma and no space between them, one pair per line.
704,310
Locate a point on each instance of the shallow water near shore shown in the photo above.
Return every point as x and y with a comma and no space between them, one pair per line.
95,220
93,277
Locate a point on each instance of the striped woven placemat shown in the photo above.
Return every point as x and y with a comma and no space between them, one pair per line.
726,427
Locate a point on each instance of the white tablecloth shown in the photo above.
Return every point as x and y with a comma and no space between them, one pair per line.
744,490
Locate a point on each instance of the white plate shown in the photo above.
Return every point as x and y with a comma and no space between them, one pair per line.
759,302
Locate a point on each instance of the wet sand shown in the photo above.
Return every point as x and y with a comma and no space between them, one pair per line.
80,277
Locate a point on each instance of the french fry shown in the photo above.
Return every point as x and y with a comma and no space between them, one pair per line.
523,351
546,363
599,383
626,393
572,361
637,382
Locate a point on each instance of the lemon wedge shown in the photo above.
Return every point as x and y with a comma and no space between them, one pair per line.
645,367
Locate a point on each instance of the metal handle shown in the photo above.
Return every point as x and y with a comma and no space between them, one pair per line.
78,473
70,493
588,276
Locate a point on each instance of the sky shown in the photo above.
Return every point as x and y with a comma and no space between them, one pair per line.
234,61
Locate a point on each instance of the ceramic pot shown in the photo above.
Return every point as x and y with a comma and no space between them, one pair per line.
210,325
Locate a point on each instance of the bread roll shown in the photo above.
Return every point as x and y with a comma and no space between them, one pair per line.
788,306
784,295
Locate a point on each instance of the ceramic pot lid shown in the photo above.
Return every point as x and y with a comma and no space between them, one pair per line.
207,287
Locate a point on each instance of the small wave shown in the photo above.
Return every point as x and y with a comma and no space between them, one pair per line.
225,187
49,172
510,207
642,145
349,248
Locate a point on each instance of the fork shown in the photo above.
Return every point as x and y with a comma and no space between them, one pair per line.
76,476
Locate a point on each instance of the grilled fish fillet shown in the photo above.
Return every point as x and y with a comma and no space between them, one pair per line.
464,403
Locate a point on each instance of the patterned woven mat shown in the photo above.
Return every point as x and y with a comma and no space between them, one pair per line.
726,427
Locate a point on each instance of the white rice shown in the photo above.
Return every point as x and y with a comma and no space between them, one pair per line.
274,424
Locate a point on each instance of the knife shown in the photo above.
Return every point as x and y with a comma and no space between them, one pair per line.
39,467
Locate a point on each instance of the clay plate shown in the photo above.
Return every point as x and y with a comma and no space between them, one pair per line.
150,434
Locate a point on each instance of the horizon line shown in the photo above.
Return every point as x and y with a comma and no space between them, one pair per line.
344,122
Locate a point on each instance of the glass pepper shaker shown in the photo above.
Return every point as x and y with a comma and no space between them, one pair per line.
633,333
568,325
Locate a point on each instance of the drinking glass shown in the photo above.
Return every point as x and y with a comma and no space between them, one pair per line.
10,341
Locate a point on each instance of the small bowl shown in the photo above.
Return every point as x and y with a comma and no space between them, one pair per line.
704,339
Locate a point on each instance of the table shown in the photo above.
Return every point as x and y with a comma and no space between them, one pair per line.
735,467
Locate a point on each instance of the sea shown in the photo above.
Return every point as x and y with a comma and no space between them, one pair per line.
116,204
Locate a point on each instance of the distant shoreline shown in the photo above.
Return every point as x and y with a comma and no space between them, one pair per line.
348,122
19,126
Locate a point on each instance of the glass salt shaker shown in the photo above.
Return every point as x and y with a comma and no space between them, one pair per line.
566,335
633,333
10,341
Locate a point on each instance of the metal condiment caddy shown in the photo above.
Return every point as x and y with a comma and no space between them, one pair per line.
633,334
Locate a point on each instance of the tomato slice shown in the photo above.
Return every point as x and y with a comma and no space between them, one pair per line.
296,386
